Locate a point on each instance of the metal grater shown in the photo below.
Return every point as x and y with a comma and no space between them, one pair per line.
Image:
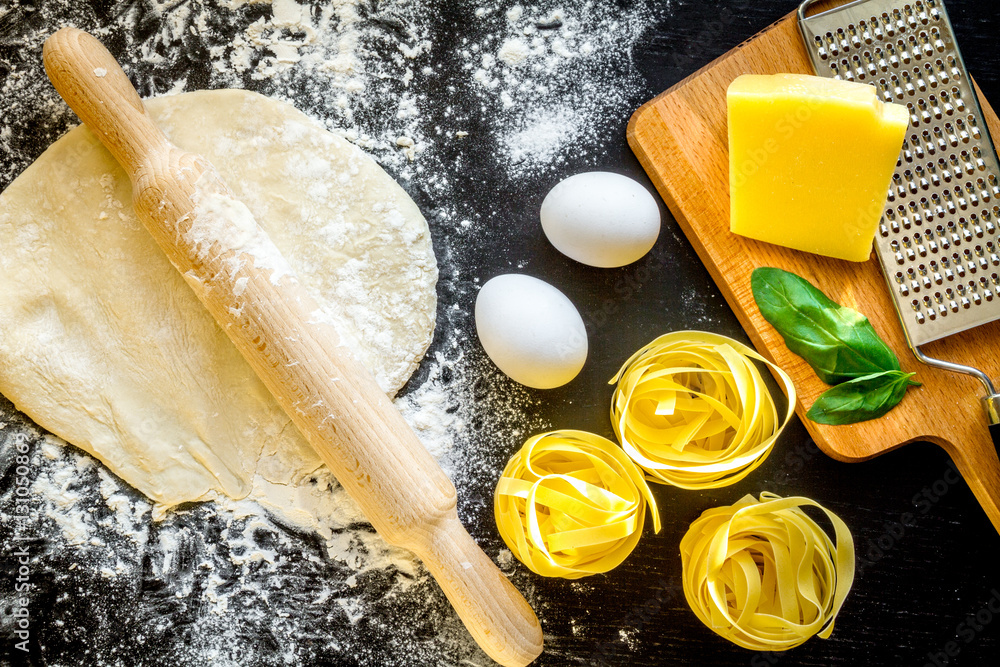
938,239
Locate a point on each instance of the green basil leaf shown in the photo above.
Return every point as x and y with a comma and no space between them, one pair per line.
839,343
861,399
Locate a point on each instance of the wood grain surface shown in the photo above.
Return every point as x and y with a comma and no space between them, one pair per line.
680,137
926,551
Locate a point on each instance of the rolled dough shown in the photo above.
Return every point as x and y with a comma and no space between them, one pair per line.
103,344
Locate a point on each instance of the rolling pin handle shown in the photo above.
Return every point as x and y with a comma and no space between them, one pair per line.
93,84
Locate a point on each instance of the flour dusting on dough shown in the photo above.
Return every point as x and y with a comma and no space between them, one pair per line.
222,222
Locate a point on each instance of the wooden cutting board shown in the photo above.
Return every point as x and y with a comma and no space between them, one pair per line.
681,140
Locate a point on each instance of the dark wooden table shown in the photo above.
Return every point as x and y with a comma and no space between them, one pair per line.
923,589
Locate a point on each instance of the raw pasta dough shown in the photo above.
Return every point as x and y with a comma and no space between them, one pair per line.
103,344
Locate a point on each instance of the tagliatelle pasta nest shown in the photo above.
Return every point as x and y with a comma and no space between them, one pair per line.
572,504
764,575
692,410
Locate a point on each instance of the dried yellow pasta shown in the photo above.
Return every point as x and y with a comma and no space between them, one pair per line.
764,575
692,410
571,504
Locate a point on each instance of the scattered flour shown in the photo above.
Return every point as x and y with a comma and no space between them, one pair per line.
232,583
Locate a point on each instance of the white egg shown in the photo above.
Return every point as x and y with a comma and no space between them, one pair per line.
531,331
601,219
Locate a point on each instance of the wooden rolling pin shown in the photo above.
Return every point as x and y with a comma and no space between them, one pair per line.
334,401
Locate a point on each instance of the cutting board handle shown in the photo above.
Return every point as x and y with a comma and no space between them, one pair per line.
977,461
240,277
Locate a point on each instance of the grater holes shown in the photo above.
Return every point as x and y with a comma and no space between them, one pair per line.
960,199
932,174
967,233
969,260
929,308
875,26
897,189
921,45
858,69
898,22
897,87
994,256
933,11
948,137
974,293
852,34
951,167
820,48
904,288
903,51
984,286
869,63
931,108
952,298
936,273
884,88
941,306
941,71
866,33
949,202
920,179
937,42
927,143
930,75
941,141
962,130
988,219
963,296
841,38
972,194
972,125
956,96
903,217
946,268
953,70
920,13
888,26
946,105
983,190
958,265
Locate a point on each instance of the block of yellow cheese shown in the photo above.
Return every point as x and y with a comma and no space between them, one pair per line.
810,161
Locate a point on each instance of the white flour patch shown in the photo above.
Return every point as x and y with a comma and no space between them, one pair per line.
519,96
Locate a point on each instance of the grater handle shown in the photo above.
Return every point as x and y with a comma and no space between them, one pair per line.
992,405
805,6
